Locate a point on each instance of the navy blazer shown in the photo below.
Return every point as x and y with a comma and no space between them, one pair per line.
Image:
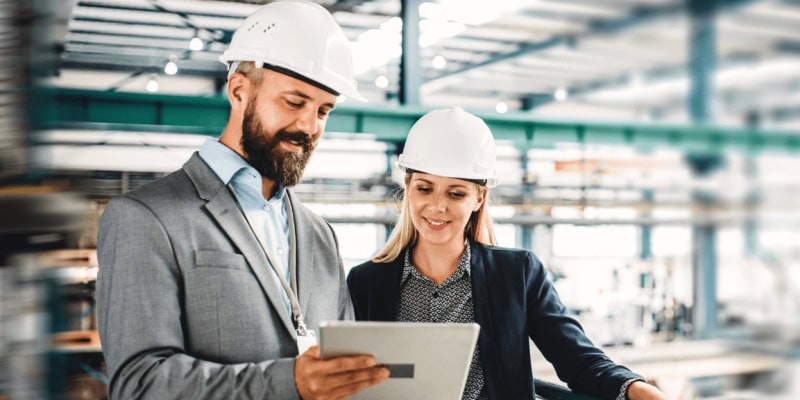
513,300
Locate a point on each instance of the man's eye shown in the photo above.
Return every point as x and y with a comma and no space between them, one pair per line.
293,104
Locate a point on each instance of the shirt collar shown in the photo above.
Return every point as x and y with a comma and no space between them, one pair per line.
229,166
222,159
464,267
280,193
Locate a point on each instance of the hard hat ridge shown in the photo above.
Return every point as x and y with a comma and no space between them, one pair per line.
299,38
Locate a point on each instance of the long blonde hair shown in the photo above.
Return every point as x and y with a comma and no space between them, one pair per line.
479,227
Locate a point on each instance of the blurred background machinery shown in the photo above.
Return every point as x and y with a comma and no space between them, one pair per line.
648,152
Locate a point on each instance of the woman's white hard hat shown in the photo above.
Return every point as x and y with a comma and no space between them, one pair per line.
451,143
298,37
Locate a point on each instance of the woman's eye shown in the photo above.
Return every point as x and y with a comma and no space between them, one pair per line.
424,189
456,195
293,104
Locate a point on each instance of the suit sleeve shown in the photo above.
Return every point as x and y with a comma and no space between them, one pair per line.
345,304
584,367
356,286
139,303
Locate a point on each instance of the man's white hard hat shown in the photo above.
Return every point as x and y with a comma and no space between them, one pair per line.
298,38
451,143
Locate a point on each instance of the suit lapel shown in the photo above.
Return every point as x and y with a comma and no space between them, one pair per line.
303,246
480,296
223,208
490,356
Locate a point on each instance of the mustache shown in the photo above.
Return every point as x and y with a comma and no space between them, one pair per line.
300,137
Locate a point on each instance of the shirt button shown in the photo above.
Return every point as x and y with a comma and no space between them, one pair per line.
435,295
280,251
266,207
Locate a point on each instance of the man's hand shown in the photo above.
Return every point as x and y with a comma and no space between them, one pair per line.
644,391
335,378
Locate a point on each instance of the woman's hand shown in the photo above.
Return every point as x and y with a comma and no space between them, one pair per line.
644,391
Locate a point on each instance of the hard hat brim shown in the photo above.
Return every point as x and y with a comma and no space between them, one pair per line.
347,91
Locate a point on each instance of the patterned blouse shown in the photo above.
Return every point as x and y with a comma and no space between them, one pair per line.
422,301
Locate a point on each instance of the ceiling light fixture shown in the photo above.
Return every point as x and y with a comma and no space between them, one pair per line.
152,84
561,94
501,107
439,62
196,44
171,68
381,82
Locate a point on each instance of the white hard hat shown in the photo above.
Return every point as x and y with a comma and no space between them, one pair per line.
451,143
296,37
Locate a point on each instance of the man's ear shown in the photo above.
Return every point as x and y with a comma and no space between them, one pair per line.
239,87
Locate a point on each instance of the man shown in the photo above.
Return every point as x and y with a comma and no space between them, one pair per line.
212,277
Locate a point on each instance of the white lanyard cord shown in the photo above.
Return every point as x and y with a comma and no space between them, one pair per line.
291,289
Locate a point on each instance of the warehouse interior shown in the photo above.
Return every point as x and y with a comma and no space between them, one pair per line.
648,153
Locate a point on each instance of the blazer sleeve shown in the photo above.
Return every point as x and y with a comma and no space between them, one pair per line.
345,304
139,315
584,367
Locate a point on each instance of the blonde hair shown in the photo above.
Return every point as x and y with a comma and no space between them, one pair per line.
479,227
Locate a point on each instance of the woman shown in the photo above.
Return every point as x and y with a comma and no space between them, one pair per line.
440,265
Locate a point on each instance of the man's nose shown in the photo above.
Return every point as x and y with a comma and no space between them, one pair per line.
308,123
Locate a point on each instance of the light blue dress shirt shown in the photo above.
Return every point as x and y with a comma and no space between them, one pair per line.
267,217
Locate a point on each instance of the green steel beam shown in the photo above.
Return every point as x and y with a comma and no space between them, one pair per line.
208,115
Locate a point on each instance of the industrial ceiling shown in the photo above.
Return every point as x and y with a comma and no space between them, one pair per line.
622,60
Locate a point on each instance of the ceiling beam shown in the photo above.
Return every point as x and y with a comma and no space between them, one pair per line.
665,72
207,115
638,17
787,46
146,66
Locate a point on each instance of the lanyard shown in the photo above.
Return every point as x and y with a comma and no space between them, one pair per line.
291,289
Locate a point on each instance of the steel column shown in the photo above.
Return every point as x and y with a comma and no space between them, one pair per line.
704,311
410,69
702,59
647,229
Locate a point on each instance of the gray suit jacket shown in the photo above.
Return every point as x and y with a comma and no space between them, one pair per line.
187,304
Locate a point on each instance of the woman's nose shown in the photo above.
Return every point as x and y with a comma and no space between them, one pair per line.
439,204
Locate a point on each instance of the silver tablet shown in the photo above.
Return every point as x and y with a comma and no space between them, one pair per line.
426,360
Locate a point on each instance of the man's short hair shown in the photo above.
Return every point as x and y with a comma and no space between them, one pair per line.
249,69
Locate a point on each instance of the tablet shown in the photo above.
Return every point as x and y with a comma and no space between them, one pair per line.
425,360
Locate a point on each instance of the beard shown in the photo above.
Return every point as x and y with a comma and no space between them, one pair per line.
262,152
